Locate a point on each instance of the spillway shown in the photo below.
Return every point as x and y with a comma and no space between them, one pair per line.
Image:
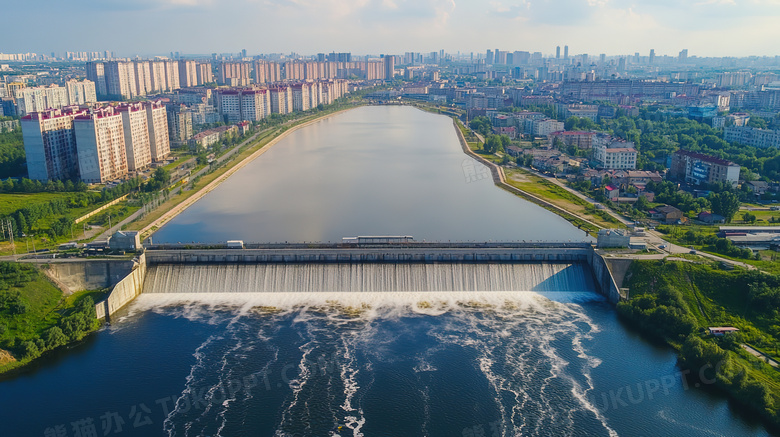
368,277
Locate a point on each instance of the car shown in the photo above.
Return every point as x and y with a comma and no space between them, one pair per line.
663,246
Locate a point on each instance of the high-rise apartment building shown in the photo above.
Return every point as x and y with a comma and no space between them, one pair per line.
205,74
136,132
233,73
50,144
120,79
179,124
281,100
100,143
300,95
157,122
96,73
41,98
188,73
389,67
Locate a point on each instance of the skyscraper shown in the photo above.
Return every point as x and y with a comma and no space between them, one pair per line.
565,52
558,52
683,55
652,56
389,67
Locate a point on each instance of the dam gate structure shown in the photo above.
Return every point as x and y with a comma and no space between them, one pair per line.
407,266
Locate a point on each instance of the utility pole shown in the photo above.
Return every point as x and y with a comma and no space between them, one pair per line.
11,236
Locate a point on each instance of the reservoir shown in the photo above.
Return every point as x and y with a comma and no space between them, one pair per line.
536,353
382,170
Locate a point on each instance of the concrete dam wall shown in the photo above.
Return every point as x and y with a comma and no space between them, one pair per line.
537,267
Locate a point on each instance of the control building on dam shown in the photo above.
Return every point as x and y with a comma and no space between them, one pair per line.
409,266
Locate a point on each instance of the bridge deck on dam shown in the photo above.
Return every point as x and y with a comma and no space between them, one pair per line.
415,253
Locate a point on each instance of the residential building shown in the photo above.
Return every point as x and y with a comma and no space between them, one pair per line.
666,214
188,73
136,132
233,73
750,136
39,99
613,153
696,168
101,145
300,97
583,140
50,144
157,122
542,127
179,124
281,100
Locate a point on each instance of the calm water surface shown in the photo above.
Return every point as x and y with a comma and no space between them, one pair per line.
381,170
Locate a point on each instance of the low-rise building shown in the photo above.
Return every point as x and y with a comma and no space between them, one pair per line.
125,240
696,168
583,140
667,214
750,136
615,155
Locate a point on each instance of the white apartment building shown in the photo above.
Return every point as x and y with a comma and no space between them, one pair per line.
120,79
41,98
50,144
255,105
612,154
157,122
100,143
136,132
300,95
81,92
281,100
541,127
749,136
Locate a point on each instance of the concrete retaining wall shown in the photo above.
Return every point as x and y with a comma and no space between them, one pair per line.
74,276
125,291
607,286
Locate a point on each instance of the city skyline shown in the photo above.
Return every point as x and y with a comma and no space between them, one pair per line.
615,27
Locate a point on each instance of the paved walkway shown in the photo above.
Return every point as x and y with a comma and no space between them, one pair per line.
758,354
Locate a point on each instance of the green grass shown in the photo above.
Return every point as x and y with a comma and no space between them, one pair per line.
10,202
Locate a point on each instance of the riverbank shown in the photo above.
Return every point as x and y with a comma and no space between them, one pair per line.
499,178
675,303
176,205
36,316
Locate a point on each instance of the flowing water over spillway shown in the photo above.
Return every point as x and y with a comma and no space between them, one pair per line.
280,278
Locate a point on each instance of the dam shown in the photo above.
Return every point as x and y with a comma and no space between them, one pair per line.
412,267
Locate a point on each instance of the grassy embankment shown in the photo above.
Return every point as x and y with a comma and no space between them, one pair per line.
40,236
674,302
246,151
36,317
544,189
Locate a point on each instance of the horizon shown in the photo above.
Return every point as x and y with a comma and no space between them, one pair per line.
707,28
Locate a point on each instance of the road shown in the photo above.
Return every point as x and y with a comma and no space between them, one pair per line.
760,355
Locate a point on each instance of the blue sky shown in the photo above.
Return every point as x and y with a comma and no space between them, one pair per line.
705,27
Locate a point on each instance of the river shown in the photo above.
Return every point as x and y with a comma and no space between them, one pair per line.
532,356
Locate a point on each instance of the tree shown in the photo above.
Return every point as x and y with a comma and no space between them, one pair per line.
493,144
725,204
54,337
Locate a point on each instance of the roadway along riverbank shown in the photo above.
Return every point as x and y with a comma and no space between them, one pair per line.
185,203
500,179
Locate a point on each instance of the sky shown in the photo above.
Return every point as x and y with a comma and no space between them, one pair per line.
614,27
